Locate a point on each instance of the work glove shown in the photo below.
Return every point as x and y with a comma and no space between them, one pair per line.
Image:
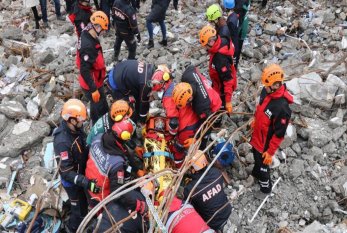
267,158
91,185
229,107
138,37
96,96
141,207
188,142
140,173
139,151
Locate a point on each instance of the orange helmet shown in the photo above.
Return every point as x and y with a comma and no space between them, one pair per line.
100,18
119,109
160,76
206,34
74,108
271,74
123,129
200,161
182,94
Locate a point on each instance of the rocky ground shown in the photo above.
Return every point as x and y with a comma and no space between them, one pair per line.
307,38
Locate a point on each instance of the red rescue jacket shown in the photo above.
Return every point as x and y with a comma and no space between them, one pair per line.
98,71
272,116
221,68
186,220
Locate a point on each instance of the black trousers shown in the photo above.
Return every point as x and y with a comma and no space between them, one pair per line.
263,3
98,109
130,41
69,5
238,53
79,206
261,172
135,4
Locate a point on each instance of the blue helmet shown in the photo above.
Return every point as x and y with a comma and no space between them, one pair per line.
229,4
227,156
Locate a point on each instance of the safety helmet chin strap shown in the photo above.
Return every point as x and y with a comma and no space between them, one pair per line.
97,33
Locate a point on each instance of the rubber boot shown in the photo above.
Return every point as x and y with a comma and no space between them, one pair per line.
163,42
150,44
37,24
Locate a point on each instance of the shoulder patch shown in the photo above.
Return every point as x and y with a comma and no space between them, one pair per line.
64,155
283,121
86,57
120,177
134,16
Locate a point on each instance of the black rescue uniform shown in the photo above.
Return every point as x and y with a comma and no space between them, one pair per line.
80,17
124,16
92,67
271,118
119,212
158,10
209,197
72,151
130,79
205,100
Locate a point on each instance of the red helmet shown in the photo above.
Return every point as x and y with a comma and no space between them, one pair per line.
123,129
160,77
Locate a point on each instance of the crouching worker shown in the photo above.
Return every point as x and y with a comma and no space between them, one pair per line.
118,111
114,209
185,219
72,153
108,163
209,198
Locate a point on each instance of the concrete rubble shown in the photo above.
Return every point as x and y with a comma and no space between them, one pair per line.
312,158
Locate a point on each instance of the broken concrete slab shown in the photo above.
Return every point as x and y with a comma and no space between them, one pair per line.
33,109
13,145
315,92
13,109
319,133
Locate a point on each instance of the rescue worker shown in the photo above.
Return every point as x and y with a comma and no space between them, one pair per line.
185,219
157,14
196,101
241,8
69,5
91,63
118,111
131,80
80,15
197,91
72,152
124,17
208,198
136,4
214,15
109,165
233,25
271,119
119,212
105,6
221,68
